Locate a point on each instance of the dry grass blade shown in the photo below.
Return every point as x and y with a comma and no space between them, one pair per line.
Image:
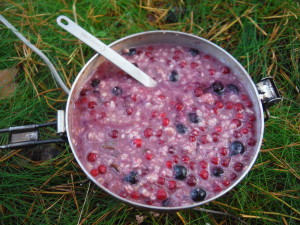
181,218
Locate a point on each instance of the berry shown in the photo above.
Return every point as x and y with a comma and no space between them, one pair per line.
219,104
237,122
131,51
218,87
161,180
232,88
137,143
132,177
217,171
203,164
192,138
95,82
181,129
114,134
169,164
175,158
117,91
194,65
173,76
171,149
193,51
223,151
216,188
165,122
94,172
204,174
214,160
229,105
180,172
148,156
135,195
185,158
226,182
191,181
236,147
91,157
92,105
211,72
198,91
225,162
161,194
238,107
148,132
172,185
179,106
166,202
158,133
238,167
192,165
198,194
194,118
225,70
102,169
129,111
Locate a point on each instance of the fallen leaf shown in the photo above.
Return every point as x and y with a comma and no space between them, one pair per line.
7,84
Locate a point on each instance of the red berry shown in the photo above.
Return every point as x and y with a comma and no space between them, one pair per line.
182,64
194,65
165,122
237,134
158,133
225,70
233,176
239,116
238,167
162,97
172,185
215,136
135,195
178,52
179,106
252,118
161,194
192,138
226,182
134,97
225,162
250,125
203,164
175,158
223,151
148,156
219,104
169,164
198,91
148,132
217,188
191,181
211,72
251,142
92,105
192,165
114,134
94,172
244,130
237,122
129,111
185,158
137,143
195,132
204,139
154,114
218,129
204,174
161,180
206,57
92,157
102,169
229,105
238,107
83,100
214,160
148,54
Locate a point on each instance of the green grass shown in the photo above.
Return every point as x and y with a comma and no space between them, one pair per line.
262,35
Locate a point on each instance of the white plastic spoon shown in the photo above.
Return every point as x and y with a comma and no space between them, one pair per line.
105,51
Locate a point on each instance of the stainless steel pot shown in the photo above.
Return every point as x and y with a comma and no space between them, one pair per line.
263,95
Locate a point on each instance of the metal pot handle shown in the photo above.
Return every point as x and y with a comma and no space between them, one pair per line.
28,135
268,94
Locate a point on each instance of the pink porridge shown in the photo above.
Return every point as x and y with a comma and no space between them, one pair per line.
176,144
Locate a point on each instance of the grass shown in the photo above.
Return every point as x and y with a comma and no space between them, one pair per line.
262,35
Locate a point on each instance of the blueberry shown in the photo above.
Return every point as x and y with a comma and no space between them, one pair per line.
95,82
181,129
217,171
198,194
132,177
117,91
236,147
135,64
166,202
218,87
180,172
194,118
233,88
173,76
131,52
193,51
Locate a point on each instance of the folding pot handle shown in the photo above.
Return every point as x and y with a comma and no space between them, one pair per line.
268,94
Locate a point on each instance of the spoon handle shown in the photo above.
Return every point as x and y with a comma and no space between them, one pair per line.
105,51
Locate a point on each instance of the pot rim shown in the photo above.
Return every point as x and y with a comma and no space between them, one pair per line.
157,208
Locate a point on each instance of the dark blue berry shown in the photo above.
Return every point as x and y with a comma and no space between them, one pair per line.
132,177
194,118
233,88
180,172
131,52
181,129
198,194
135,64
166,202
117,91
217,171
173,76
236,147
218,87
95,82
193,51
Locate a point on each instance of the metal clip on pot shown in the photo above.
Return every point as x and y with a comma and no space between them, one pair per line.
28,135
268,94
